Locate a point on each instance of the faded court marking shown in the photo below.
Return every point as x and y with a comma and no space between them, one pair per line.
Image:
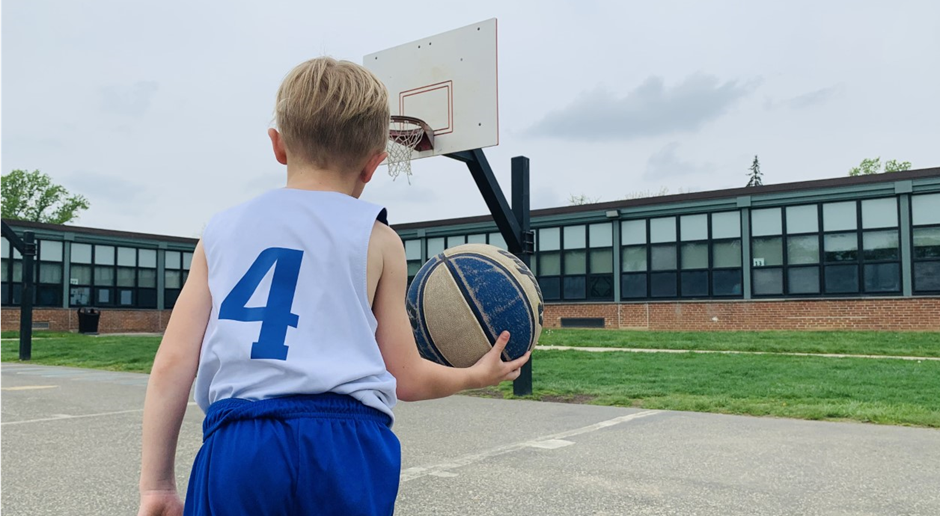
549,442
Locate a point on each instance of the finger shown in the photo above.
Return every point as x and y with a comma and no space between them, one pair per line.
501,342
512,375
519,362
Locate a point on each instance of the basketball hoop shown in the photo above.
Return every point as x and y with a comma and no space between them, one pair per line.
406,134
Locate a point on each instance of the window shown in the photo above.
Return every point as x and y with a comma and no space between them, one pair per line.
861,247
176,269
98,275
693,230
135,284
840,248
121,277
689,256
49,278
454,241
575,263
633,259
549,263
600,280
767,252
925,222
664,262
6,273
146,278
436,246
639,258
726,272
802,250
413,256
496,239
80,275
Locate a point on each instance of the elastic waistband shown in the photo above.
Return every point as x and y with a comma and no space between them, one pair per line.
327,405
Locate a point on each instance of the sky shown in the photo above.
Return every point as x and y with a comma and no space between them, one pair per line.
157,112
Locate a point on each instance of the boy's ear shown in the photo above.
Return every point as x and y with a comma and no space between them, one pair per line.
369,169
280,152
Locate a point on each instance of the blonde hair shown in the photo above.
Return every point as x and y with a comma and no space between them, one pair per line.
332,114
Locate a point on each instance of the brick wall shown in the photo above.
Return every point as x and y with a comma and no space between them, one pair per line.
910,314
111,321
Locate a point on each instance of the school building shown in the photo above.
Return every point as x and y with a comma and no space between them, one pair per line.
849,253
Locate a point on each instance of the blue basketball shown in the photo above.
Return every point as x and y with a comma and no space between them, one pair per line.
462,299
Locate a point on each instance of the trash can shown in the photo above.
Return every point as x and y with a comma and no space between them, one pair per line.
88,320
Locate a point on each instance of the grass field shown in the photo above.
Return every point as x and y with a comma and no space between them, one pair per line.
120,353
884,391
868,390
918,344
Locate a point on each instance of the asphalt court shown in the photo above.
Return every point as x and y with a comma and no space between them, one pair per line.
71,445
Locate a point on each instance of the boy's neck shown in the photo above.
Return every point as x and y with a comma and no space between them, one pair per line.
314,179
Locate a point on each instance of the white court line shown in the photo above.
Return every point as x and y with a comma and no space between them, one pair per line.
441,470
62,417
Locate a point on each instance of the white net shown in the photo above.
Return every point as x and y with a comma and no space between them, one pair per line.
403,138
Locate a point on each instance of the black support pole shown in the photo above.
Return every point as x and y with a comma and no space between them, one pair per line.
513,223
26,302
493,196
27,247
522,386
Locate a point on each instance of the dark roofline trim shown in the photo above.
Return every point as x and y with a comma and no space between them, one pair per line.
547,212
25,224
837,182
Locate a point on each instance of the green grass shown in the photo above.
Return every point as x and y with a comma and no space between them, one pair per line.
41,334
122,353
885,391
919,344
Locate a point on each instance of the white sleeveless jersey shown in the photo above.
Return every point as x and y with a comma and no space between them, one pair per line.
290,307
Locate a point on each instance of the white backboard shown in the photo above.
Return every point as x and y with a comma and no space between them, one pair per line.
449,81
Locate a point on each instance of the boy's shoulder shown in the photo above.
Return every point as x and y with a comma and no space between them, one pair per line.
386,237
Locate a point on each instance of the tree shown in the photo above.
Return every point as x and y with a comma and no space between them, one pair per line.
873,166
756,178
33,196
579,200
663,190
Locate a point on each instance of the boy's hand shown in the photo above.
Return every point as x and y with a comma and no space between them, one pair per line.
160,503
491,370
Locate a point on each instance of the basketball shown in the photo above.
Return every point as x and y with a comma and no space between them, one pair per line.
462,299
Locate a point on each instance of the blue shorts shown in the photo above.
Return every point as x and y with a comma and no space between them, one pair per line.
324,454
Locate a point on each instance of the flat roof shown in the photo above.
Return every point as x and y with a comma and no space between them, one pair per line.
25,224
816,184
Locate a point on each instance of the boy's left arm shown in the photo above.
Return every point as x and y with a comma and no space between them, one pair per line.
171,379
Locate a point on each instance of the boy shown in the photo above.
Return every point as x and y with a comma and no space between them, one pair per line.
298,388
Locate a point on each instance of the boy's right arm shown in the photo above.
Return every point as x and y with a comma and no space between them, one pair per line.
420,379
171,379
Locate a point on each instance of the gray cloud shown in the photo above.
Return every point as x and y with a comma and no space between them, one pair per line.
813,98
666,163
649,110
103,188
131,100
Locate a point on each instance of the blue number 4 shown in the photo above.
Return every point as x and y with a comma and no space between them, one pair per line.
275,316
